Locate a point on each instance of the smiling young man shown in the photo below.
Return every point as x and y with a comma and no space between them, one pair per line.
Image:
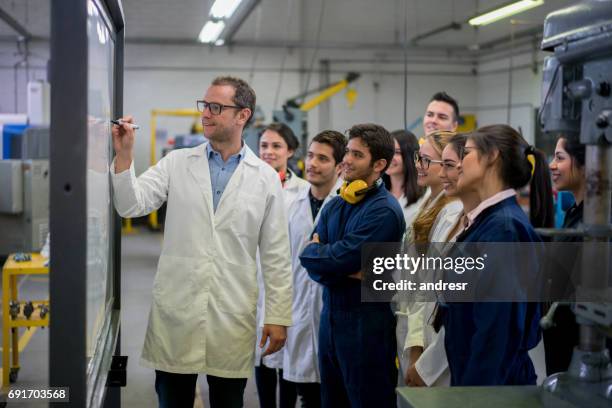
356,340
224,204
442,113
300,364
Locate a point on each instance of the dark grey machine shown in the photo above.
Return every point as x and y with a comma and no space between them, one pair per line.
577,82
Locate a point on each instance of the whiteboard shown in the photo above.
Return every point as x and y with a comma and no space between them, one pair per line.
99,210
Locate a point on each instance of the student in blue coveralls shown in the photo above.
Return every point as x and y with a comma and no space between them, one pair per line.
487,342
356,340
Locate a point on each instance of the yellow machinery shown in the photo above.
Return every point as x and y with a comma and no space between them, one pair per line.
294,111
329,91
324,94
16,314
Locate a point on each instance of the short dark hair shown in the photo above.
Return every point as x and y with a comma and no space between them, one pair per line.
444,97
334,139
285,132
244,95
377,139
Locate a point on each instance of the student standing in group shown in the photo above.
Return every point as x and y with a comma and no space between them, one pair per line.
357,347
224,205
300,355
487,343
431,368
277,144
441,114
401,176
567,168
437,206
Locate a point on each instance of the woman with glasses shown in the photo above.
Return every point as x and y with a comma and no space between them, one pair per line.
431,369
487,343
436,206
401,177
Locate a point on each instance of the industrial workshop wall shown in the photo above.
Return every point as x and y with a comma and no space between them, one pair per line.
173,77
86,78
159,76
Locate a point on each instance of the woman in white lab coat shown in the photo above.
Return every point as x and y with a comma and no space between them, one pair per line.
203,315
437,205
431,368
277,144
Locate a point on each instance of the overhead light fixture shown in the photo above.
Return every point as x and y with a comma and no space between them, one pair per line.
226,17
224,8
504,11
211,31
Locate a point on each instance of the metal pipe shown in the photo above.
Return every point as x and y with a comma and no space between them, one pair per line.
14,24
597,204
325,106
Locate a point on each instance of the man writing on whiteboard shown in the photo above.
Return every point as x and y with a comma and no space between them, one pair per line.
223,204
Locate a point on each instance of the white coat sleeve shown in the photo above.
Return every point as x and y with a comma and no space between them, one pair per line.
416,325
275,259
135,197
433,362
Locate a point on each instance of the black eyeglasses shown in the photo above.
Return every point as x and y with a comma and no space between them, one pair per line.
215,108
424,162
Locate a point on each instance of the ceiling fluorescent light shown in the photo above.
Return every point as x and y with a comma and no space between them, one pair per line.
504,11
224,8
211,31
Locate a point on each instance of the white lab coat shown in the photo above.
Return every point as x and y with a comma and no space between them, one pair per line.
411,212
300,357
413,328
202,318
401,330
432,365
290,191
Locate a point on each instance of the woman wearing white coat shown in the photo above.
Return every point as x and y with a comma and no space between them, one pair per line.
277,144
431,368
202,318
414,312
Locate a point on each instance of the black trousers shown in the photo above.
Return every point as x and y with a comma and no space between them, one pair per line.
310,394
266,380
178,390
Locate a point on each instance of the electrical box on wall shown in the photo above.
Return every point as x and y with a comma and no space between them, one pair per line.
39,106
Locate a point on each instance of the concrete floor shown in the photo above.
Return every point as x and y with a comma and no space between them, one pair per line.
138,262
140,253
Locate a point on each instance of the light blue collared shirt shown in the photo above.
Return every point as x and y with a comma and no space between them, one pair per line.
220,171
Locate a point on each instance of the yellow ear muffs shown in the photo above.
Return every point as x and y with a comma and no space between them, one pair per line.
354,191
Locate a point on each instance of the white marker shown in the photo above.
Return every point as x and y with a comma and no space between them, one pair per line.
119,122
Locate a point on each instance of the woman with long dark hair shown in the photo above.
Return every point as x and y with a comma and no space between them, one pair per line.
567,169
401,176
487,343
